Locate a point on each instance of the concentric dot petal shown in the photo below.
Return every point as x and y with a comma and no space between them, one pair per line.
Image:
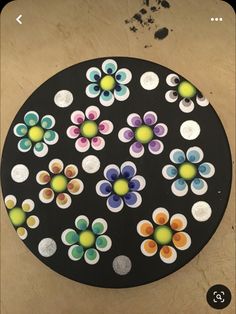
133,199
56,166
136,150
194,154
190,130
97,143
32,221
178,222
105,127
75,186
155,147
134,120
181,240
149,247
20,129
168,254
69,236
160,216
125,135
150,118
123,76
172,79
46,195
103,243
91,256
171,96
149,80
169,172
99,226
27,205
63,200
109,66
177,156
51,137
93,74
22,233
179,187
43,177
137,183
82,222
202,101
40,149
115,203
201,211
77,117
199,186
91,164
122,265
206,170
82,144
31,118
145,228
92,90
92,113
75,252
111,172
19,173
128,169
71,171
104,188
47,122
186,105
63,98
160,130
47,247
10,201
73,131
24,145
121,92
106,98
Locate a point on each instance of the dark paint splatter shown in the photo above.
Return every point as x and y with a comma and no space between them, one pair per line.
138,17
133,29
143,11
151,20
147,46
146,2
161,33
165,4
153,9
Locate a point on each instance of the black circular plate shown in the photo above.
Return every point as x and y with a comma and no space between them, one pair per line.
116,172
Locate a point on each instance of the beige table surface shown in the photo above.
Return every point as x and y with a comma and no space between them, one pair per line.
56,34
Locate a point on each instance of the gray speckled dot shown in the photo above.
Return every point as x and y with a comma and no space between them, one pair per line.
122,265
47,247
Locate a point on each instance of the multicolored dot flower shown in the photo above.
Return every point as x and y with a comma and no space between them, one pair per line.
83,241
121,186
86,130
19,215
36,134
186,91
110,85
164,235
187,170
59,183
143,134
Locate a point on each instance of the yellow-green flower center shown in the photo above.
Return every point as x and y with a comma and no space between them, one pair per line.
17,216
144,134
89,129
121,187
59,183
162,235
107,82
86,238
36,133
187,171
186,89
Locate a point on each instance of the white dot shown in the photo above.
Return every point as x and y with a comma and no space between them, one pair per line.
19,173
201,211
190,130
122,265
221,19
149,80
63,98
91,164
47,247
212,19
216,19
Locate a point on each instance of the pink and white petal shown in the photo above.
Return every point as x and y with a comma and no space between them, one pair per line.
160,130
136,150
92,113
134,120
77,117
73,131
155,147
82,144
97,143
125,135
105,127
150,118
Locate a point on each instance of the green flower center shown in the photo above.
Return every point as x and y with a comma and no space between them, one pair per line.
17,216
89,129
121,187
144,134
107,82
59,183
162,235
86,238
186,89
187,171
36,133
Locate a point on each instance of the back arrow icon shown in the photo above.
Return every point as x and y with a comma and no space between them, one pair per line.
18,19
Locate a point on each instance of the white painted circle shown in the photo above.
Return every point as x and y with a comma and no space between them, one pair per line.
190,130
19,173
47,247
122,265
91,164
63,98
201,211
149,80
